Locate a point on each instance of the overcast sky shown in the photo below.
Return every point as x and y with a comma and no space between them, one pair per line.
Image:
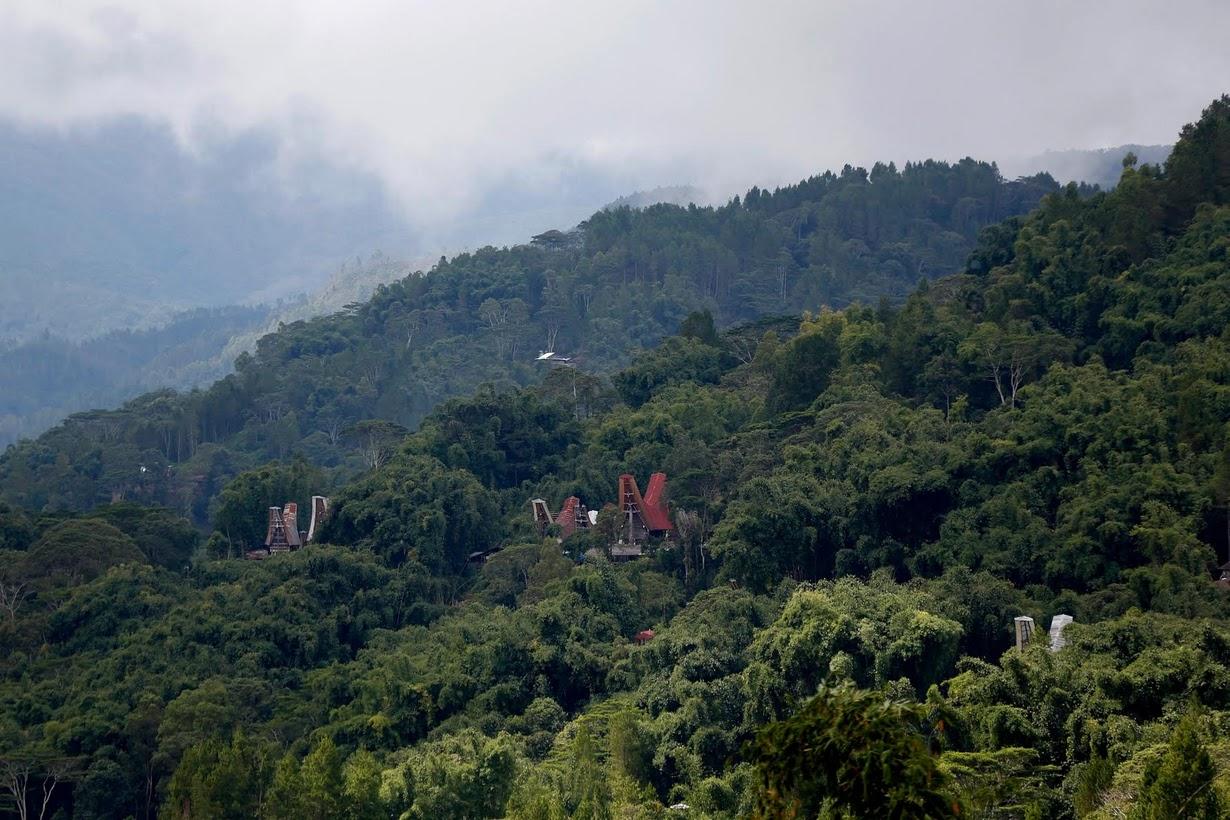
444,100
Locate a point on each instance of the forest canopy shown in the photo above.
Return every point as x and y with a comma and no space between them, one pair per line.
623,281
865,496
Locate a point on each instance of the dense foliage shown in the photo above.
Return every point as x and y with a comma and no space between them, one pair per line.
864,500
625,279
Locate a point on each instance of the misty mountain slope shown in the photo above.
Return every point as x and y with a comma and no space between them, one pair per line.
354,281
669,195
120,226
45,379
1101,167
622,281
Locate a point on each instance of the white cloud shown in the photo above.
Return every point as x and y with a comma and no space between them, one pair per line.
444,100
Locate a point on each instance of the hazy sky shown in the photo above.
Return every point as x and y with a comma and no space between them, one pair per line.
444,100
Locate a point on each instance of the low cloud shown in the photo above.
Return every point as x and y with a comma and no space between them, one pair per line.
447,101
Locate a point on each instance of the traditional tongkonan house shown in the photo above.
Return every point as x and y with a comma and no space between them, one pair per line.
283,534
572,517
646,516
542,515
320,511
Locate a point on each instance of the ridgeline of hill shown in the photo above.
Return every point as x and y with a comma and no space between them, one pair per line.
864,500
44,380
622,281
1100,167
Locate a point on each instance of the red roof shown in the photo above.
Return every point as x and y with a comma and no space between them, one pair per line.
653,505
567,518
655,492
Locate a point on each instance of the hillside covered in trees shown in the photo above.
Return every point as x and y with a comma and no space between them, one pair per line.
46,379
864,499
624,280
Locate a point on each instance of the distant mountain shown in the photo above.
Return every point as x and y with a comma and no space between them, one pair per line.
46,378
117,242
353,282
1100,166
669,195
120,226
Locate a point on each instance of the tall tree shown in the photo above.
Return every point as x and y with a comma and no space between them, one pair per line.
849,753
1179,785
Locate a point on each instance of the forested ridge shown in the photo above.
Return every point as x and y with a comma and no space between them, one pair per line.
865,498
45,379
624,280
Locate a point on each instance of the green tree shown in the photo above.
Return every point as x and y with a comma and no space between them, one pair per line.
1010,355
375,440
699,325
76,551
285,799
241,512
322,782
587,781
361,787
415,507
805,364
16,531
219,779
1179,785
676,360
997,784
849,753
786,523
1093,778
463,775
165,538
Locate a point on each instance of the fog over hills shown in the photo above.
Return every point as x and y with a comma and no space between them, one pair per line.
121,224
114,237
1100,166
669,194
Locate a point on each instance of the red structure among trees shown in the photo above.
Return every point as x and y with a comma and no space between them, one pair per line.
572,517
645,515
